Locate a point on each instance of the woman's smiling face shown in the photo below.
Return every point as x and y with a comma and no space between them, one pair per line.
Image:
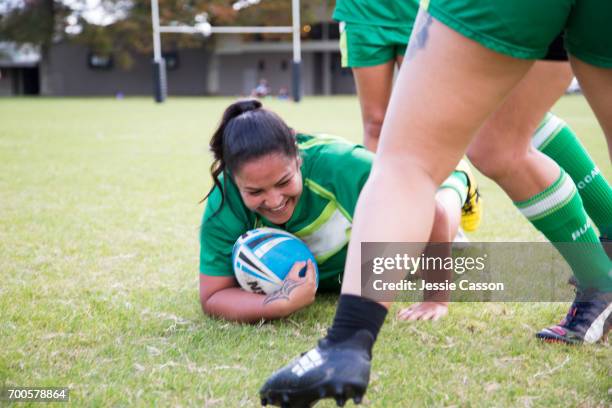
271,185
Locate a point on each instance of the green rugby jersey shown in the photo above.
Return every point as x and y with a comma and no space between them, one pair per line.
333,174
386,13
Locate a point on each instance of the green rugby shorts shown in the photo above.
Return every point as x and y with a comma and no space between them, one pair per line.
525,28
368,45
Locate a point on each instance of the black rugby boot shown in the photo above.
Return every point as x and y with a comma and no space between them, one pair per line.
330,370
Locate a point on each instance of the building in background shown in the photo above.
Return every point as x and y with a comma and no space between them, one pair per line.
228,64
19,70
236,64
75,71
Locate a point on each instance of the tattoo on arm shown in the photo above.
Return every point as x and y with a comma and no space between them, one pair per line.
283,293
420,34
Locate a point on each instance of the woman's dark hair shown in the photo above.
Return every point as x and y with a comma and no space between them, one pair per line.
247,132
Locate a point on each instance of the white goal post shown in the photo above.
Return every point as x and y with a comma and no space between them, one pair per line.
159,66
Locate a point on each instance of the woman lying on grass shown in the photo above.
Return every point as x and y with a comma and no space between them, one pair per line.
266,175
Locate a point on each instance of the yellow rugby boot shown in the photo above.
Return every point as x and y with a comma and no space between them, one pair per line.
471,212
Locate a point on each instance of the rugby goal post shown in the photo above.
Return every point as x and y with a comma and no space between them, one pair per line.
159,67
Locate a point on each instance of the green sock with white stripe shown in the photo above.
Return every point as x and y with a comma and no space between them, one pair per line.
555,139
558,213
458,182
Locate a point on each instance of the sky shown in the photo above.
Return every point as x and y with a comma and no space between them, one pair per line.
94,12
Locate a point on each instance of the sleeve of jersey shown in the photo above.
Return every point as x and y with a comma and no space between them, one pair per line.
218,234
351,171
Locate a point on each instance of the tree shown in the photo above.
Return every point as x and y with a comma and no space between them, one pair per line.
35,22
133,33
125,25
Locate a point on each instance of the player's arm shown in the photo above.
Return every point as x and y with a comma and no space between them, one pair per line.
435,301
221,297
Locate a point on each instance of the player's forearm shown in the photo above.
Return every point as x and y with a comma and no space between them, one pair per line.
238,305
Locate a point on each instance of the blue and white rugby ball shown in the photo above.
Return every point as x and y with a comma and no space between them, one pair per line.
263,257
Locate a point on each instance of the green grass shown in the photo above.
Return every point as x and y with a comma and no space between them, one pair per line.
99,220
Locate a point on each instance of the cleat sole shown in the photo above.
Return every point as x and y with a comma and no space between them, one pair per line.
307,397
555,340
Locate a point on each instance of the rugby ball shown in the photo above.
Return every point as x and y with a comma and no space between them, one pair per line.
263,257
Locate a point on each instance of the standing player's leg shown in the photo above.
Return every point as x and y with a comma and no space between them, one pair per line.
588,42
596,84
433,113
502,148
374,90
371,52
558,141
374,85
555,139
541,191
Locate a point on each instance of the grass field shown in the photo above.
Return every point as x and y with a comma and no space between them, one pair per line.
99,221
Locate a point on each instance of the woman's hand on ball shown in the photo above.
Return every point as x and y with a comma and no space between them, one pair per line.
304,287
297,291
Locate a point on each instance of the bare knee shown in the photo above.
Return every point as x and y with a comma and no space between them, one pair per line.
372,126
495,163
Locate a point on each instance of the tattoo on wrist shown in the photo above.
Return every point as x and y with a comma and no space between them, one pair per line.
283,292
420,34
